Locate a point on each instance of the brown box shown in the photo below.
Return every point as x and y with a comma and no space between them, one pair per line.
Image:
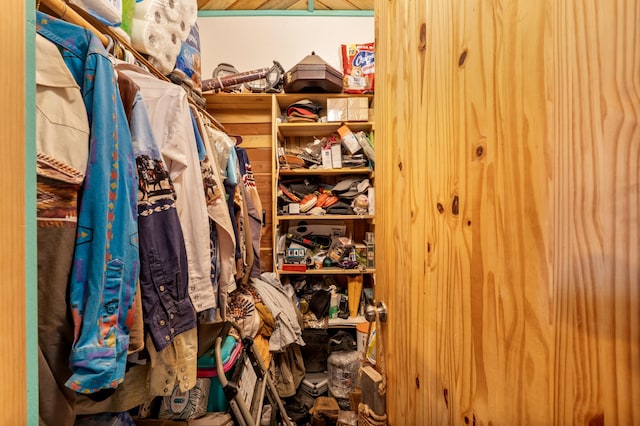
337,109
358,108
370,381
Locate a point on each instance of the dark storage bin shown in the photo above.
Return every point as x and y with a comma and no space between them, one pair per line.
313,75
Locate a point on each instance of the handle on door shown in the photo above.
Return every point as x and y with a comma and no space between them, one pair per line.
370,312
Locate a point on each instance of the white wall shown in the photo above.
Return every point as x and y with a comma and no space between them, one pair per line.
249,43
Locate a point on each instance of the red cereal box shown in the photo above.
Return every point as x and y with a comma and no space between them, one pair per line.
358,68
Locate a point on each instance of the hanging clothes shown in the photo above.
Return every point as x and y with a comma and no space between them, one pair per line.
223,230
171,123
239,214
254,209
62,148
245,232
175,365
163,258
128,92
105,265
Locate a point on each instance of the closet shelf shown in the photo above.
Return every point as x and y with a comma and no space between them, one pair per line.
329,271
77,16
326,172
320,129
348,322
325,217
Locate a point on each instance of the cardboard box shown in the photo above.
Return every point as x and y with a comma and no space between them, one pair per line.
358,108
348,139
337,109
326,159
336,156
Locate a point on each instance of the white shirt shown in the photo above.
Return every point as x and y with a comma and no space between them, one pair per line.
173,129
62,126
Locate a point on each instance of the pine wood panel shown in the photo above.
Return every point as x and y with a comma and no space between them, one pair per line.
339,5
247,128
13,391
251,4
250,115
284,4
508,147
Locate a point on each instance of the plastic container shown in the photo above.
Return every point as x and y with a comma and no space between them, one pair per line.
108,12
362,329
334,306
128,9
347,418
343,369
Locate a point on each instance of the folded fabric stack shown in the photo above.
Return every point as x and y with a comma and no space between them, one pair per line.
304,110
159,28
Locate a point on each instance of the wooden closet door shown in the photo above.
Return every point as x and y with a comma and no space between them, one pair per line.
13,216
507,225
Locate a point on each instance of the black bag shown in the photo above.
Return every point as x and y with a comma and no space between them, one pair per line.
342,341
314,352
319,303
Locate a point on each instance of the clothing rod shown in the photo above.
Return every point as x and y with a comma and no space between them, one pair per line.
65,12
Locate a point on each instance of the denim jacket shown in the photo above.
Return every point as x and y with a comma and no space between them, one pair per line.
105,266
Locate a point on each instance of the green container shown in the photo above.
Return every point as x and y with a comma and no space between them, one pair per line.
128,9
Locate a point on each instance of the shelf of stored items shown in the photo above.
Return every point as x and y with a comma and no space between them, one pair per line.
329,271
325,217
326,172
347,322
291,138
286,99
320,129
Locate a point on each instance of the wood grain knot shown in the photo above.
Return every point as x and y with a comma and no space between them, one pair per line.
400,166
597,420
479,151
440,208
462,58
445,393
422,45
429,251
455,208
417,382
466,420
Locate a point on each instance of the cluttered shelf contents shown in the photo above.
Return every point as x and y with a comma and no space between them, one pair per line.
320,290
121,182
324,197
188,272
324,231
324,224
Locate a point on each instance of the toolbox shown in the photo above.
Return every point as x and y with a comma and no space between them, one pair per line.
315,384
